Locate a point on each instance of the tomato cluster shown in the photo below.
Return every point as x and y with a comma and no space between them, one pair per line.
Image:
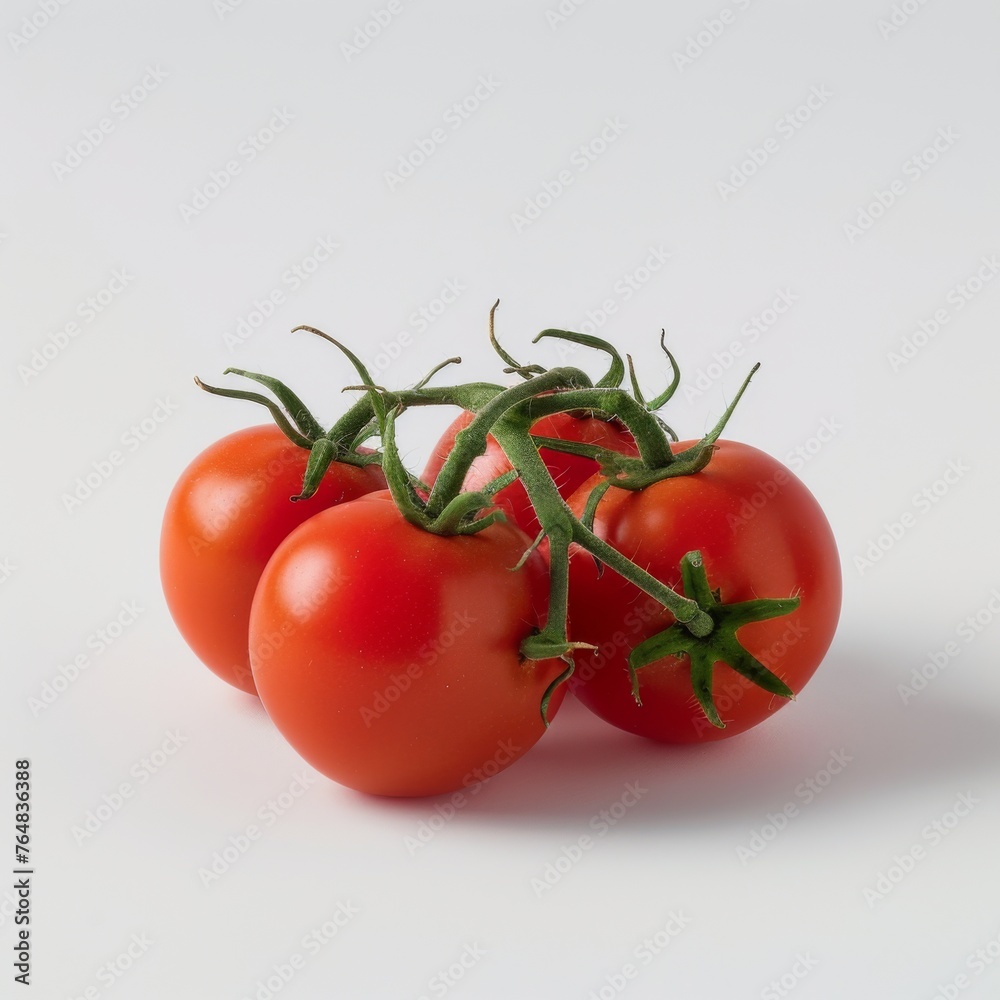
401,657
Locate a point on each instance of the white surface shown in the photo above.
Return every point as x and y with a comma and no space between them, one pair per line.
826,359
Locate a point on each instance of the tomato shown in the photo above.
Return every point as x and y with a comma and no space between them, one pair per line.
761,534
568,471
388,656
224,519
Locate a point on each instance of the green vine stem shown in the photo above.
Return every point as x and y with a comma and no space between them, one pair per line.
470,442
513,432
704,629
525,371
615,374
652,443
656,461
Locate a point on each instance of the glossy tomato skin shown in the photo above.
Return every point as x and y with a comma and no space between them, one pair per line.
388,656
225,517
762,534
568,471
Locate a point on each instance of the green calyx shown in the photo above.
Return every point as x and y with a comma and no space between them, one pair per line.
446,508
656,460
718,646
293,417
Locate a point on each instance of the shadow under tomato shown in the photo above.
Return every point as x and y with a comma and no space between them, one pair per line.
852,706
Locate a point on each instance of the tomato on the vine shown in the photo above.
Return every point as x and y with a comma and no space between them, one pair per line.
388,656
761,533
225,517
568,471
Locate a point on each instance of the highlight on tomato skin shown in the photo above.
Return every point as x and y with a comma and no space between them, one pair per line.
226,515
761,533
389,656
569,472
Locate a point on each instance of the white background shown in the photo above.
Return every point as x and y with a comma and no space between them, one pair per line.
70,220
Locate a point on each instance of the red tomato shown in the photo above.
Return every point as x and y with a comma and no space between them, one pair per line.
389,656
568,471
224,519
761,534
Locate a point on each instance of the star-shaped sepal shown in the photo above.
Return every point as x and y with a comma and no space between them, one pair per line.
719,646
